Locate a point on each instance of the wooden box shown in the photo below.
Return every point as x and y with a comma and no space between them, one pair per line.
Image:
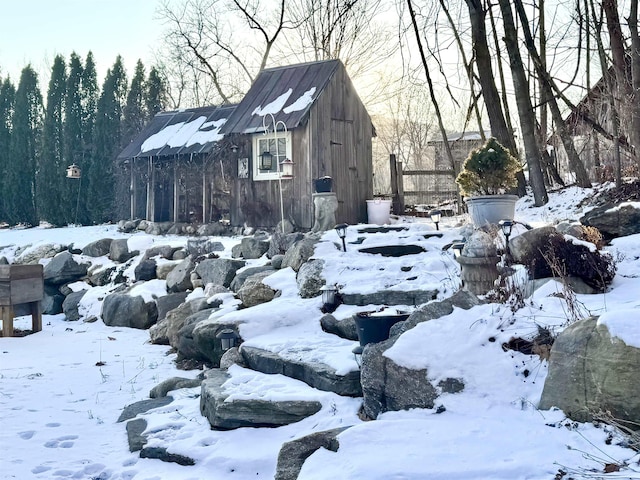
20,284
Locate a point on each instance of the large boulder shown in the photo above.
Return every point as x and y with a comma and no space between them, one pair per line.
299,253
98,248
119,251
293,453
52,300
186,345
614,221
31,256
203,246
145,271
242,275
224,413
281,242
345,328
309,278
254,247
387,386
122,310
63,268
593,372
205,334
219,271
162,251
179,278
254,291
165,332
168,302
71,304
390,297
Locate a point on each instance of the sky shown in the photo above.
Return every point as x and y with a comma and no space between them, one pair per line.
62,389
35,31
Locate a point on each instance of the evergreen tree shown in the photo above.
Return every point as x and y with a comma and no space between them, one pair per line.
50,180
108,142
156,94
20,191
134,110
73,139
7,97
89,99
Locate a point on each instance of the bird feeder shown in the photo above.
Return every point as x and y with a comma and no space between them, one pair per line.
286,168
74,171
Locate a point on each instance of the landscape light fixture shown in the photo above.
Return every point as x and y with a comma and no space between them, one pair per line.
457,249
266,161
227,338
506,226
234,148
330,298
435,216
341,230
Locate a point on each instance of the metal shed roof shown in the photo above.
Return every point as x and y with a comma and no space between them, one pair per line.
180,132
286,92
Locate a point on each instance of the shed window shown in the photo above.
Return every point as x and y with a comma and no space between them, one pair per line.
267,143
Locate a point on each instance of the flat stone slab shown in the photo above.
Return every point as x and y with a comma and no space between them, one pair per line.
143,406
252,399
394,250
381,229
314,373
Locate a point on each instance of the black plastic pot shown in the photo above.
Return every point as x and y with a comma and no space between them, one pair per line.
375,328
323,184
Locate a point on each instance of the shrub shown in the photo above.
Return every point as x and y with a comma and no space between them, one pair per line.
488,170
558,256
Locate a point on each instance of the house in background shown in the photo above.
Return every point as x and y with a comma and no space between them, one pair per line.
204,164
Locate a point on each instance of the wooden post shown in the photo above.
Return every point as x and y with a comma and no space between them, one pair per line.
176,190
397,188
133,193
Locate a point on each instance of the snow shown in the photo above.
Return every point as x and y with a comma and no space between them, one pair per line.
302,102
273,107
185,134
62,389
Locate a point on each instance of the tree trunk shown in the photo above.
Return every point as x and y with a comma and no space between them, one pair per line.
525,109
635,80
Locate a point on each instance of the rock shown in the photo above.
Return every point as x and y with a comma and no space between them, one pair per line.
254,291
180,254
101,276
236,251
521,246
309,278
163,269
293,454
285,226
70,306
225,414
280,242
179,279
99,248
590,373
276,261
614,221
479,245
122,310
168,302
161,453
33,256
390,297
51,303
299,253
388,386
133,409
203,246
245,273
186,344
163,251
63,269
173,383
210,290
345,328
316,374
119,251
253,247
219,271
212,230
208,345
145,271
135,438
158,228
232,357
165,332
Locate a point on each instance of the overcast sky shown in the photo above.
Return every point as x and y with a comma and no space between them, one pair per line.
35,31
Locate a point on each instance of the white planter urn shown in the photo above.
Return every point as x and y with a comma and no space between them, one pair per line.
491,209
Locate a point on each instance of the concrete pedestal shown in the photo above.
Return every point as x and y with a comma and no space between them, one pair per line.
324,206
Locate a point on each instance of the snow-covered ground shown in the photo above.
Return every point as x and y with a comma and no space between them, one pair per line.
62,389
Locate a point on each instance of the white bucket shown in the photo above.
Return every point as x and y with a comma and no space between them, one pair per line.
378,211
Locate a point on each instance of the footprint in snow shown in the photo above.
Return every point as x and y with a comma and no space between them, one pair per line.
61,442
27,435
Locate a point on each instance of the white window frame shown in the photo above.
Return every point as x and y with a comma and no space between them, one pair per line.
257,152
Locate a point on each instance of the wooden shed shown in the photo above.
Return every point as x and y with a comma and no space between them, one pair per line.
204,164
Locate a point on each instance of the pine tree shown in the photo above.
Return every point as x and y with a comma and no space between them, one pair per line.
20,192
108,142
89,99
50,179
73,140
156,94
134,110
7,98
